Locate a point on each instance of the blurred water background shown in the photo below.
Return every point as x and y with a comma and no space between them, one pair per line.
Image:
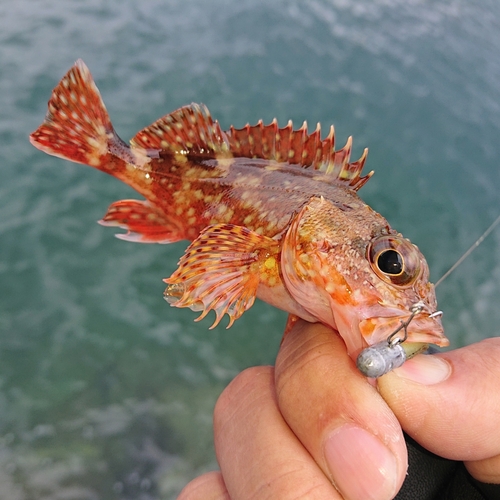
105,391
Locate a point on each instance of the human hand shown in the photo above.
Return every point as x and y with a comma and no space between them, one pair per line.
450,404
315,421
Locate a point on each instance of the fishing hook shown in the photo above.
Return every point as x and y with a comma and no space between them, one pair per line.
392,340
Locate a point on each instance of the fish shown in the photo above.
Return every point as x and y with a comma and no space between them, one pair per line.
270,213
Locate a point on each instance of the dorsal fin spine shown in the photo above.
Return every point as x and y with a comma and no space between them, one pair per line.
317,144
326,164
359,181
269,137
346,156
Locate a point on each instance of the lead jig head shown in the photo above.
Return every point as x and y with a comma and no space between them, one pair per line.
379,359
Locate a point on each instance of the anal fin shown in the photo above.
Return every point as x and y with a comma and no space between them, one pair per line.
221,271
144,223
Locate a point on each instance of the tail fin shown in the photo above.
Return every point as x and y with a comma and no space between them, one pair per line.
77,126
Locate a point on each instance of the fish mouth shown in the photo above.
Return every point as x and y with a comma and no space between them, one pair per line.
423,327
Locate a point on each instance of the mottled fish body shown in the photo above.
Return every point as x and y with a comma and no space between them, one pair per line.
271,213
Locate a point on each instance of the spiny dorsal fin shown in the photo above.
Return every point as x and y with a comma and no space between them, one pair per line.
189,129
298,147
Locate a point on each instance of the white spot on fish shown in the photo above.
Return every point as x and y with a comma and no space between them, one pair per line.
221,210
248,219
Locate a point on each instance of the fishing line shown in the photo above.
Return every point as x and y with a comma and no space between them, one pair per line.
469,251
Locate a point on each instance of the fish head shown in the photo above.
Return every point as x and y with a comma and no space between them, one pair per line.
347,267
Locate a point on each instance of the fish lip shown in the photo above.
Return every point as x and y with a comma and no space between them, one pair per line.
426,329
423,328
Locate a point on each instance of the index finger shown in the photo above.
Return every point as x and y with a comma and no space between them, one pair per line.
338,415
258,454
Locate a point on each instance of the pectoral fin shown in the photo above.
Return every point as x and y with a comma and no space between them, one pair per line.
221,271
144,223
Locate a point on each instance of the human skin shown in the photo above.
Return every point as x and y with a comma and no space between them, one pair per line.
313,427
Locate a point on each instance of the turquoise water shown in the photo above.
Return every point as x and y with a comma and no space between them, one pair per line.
105,391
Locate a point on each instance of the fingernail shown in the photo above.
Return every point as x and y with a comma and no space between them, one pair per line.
362,467
425,369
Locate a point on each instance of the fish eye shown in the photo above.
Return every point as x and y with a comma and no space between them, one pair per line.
390,262
394,259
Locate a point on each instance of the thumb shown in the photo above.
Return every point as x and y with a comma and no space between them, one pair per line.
450,404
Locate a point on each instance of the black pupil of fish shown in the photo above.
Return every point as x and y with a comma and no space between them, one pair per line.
390,262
